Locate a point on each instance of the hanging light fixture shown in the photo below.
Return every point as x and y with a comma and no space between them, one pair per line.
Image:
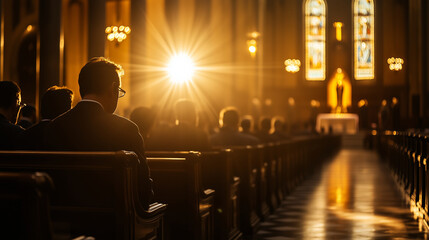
395,64
117,33
292,65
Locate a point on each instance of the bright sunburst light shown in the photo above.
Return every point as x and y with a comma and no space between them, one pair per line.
181,68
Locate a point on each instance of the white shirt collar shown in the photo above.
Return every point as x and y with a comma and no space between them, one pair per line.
90,100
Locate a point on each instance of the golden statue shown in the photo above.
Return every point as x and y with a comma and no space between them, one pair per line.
339,76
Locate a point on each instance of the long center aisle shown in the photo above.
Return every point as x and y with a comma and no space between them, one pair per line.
354,197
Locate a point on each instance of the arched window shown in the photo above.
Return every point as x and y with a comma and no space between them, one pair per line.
315,25
363,39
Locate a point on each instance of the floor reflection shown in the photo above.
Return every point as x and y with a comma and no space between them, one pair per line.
353,197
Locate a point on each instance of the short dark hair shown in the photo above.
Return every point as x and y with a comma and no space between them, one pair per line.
265,123
8,94
230,116
246,124
97,75
55,101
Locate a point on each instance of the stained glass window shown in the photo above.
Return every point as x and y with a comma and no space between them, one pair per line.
315,24
364,39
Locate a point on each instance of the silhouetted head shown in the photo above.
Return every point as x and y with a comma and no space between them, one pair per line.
265,124
278,124
143,117
29,112
185,112
56,101
246,123
10,100
100,79
229,117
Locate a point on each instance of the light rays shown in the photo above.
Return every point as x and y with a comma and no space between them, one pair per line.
213,68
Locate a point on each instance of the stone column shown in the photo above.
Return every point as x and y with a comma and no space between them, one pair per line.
96,27
51,45
137,51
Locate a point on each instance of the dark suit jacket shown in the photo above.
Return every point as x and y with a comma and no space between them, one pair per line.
87,127
182,137
8,133
32,138
229,138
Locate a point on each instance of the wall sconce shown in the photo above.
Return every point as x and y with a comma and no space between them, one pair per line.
291,101
362,103
292,65
117,33
395,64
29,28
314,103
338,26
252,43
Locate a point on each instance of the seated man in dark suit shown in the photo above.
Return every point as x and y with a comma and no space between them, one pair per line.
184,135
91,124
228,135
264,131
10,104
55,101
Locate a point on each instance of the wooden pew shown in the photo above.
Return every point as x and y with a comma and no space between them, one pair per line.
246,168
96,193
269,158
24,206
178,182
217,174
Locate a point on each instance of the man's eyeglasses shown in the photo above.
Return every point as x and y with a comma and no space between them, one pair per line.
121,92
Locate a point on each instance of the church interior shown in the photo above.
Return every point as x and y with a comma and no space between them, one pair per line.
347,80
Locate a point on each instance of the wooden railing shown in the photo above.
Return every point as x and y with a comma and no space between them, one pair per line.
407,155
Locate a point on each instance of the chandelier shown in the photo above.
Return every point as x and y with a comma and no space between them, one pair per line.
118,34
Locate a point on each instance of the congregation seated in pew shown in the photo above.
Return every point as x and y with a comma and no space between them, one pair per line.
55,101
228,134
91,124
184,134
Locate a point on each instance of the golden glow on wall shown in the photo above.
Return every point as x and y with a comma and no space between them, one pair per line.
292,65
364,39
338,33
339,78
315,24
395,64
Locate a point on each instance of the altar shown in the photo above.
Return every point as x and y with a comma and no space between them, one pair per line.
341,123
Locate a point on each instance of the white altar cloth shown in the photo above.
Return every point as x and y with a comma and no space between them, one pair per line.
341,123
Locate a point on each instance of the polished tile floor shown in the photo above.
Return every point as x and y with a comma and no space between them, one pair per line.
353,197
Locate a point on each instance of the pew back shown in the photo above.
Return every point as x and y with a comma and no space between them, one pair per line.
24,206
178,182
95,193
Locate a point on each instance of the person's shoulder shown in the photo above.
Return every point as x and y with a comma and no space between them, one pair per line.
249,138
12,128
122,122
